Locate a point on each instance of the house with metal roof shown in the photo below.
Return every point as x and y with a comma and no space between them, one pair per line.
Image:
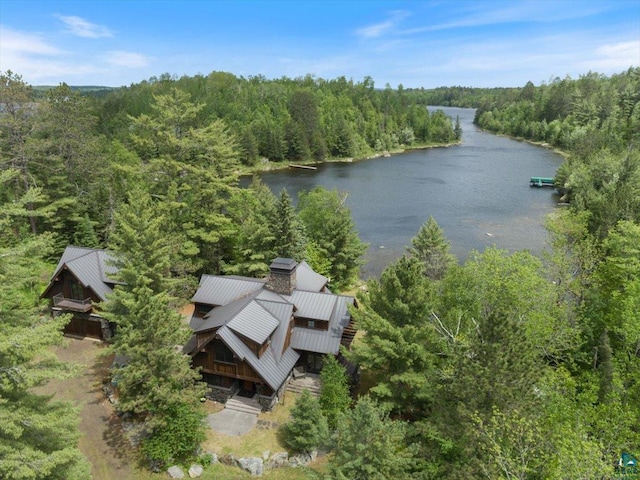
250,334
82,279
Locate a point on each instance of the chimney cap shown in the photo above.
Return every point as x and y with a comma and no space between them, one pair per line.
283,264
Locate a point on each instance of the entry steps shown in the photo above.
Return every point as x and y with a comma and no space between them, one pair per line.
244,405
309,382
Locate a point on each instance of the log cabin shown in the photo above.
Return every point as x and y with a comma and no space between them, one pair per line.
81,281
250,334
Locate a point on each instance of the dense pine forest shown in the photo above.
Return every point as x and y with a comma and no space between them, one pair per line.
506,366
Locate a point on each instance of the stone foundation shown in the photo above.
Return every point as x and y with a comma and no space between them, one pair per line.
221,394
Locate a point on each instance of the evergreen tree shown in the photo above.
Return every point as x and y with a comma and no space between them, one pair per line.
369,445
457,130
400,350
157,383
307,429
69,157
18,112
334,394
328,223
251,244
192,166
85,235
432,248
289,232
38,436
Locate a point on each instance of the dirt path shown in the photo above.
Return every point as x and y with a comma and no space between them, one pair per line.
102,441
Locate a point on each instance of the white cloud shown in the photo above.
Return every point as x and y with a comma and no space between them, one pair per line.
27,54
482,14
14,42
82,28
378,29
121,58
619,55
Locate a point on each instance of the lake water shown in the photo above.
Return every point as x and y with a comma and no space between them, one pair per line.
478,192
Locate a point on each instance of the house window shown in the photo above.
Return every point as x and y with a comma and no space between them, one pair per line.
202,310
223,354
76,291
311,324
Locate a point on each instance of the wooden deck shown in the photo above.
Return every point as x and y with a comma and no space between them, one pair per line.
73,305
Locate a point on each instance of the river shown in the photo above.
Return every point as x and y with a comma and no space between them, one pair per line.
477,191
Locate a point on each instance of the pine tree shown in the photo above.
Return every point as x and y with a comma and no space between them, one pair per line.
289,232
400,350
334,394
328,223
38,436
369,445
457,130
157,383
432,248
252,240
307,429
195,164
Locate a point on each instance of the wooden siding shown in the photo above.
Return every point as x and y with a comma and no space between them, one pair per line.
318,324
84,327
287,339
255,347
240,369
62,285
81,324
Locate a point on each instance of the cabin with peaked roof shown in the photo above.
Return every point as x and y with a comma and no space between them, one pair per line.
81,281
249,334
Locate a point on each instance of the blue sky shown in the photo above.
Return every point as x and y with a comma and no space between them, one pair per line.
481,43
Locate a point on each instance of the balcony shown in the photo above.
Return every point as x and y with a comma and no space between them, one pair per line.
71,304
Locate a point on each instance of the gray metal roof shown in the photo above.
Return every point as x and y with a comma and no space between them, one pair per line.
220,315
244,307
218,290
91,267
254,322
307,279
313,305
272,370
325,341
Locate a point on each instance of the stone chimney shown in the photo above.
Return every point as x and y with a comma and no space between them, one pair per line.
282,277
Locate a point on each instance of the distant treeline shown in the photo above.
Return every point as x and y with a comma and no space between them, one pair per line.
290,119
579,116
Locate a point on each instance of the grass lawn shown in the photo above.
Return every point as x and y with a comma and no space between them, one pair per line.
110,454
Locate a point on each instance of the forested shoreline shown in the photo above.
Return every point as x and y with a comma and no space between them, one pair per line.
508,366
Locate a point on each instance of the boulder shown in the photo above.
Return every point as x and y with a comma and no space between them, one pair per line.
279,459
302,459
175,472
228,460
195,470
253,465
211,455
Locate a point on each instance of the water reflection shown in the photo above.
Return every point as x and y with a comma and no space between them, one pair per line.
478,192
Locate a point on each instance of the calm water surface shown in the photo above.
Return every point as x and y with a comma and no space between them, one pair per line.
478,192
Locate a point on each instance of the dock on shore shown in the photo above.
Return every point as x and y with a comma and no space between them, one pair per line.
306,167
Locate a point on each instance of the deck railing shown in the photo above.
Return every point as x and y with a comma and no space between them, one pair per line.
71,303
